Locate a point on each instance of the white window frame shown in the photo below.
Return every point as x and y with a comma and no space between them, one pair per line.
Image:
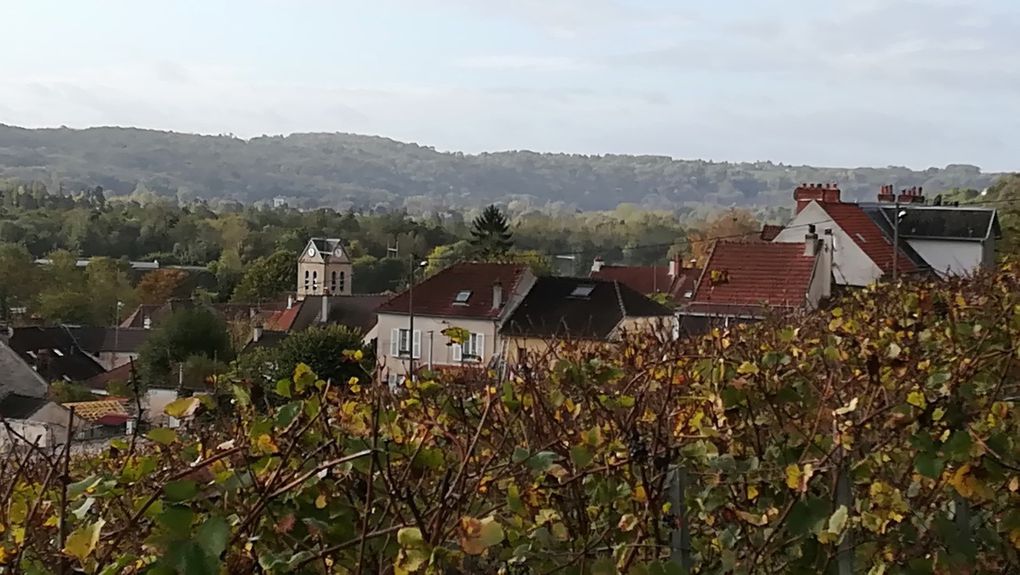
397,338
472,350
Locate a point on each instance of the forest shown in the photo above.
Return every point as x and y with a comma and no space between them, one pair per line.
345,171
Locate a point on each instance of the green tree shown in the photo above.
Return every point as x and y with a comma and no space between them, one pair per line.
191,332
17,278
109,290
322,348
490,233
267,278
63,298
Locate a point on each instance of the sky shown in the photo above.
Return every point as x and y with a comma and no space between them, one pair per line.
849,83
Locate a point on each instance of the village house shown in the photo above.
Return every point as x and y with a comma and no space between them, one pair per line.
747,281
476,297
581,311
861,251
952,240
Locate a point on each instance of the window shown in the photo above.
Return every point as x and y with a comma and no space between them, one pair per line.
315,281
343,281
582,290
58,352
462,297
332,283
472,350
402,344
394,381
307,280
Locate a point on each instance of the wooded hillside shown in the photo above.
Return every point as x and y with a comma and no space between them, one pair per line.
345,171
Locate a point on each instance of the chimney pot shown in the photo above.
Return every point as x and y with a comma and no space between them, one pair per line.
811,242
256,333
290,301
497,295
324,314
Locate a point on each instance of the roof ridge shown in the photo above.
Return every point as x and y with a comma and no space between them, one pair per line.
619,299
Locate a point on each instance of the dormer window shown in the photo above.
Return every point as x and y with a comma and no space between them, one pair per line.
58,352
582,291
462,297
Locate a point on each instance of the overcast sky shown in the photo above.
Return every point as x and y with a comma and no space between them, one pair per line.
854,82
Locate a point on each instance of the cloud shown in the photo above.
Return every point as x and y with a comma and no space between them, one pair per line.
522,62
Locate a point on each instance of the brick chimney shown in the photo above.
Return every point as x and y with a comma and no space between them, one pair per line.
811,243
914,195
497,295
887,195
821,193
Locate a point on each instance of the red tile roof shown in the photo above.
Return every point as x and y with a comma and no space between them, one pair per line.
756,274
435,296
648,280
868,236
770,231
281,320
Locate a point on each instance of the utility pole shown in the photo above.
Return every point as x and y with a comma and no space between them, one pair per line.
896,241
410,316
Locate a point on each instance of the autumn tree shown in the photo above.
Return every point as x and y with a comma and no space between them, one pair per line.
735,224
490,233
158,286
108,290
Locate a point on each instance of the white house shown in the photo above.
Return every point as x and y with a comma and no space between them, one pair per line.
477,297
861,250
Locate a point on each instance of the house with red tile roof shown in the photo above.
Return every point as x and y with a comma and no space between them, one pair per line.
861,250
475,297
749,280
675,280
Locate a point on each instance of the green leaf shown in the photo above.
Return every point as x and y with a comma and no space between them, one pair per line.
283,388
286,415
542,461
958,446
83,540
929,466
410,537
520,455
184,407
604,566
178,491
213,535
162,435
77,489
581,456
177,520
241,396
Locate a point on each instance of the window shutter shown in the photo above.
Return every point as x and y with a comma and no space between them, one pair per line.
416,346
395,343
480,346
458,352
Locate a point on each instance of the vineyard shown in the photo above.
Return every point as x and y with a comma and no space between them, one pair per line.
877,436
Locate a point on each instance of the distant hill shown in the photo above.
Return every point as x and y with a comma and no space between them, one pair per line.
365,172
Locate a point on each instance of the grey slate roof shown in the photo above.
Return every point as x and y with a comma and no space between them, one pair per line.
18,377
551,309
939,222
17,406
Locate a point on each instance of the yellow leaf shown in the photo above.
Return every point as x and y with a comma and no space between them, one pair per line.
320,501
627,523
83,540
1014,537
937,414
184,407
916,398
960,483
639,494
752,492
756,520
1014,484
477,536
793,476
747,368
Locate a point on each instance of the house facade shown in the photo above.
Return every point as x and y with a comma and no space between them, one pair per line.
412,327
861,251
